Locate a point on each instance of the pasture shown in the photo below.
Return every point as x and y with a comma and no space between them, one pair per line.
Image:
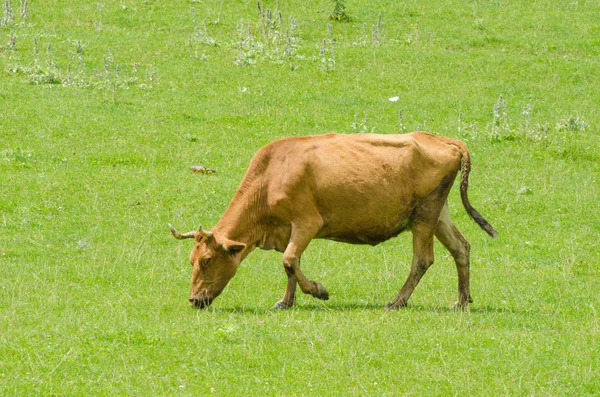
104,106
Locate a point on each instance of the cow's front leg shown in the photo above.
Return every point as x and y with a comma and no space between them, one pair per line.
289,297
299,240
292,265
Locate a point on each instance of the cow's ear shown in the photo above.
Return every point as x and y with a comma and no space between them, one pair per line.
233,247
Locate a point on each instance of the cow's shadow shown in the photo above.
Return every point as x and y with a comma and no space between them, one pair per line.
356,307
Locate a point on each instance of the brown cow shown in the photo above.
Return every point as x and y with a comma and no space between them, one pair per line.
360,189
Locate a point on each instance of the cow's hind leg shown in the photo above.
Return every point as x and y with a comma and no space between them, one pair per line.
459,247
422,259
299,240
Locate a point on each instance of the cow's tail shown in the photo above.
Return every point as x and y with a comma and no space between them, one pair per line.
465,169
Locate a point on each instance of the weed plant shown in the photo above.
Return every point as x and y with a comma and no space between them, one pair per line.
278,41
339,11
8,15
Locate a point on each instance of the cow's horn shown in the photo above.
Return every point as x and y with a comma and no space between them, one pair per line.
204,233
180,236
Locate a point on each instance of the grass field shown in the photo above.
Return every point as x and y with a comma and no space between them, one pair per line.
104,106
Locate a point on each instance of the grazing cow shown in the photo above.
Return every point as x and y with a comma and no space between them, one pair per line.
359,189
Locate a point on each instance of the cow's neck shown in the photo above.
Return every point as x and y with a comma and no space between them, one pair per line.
238,227
242,220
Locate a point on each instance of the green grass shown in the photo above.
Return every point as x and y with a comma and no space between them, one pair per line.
94,162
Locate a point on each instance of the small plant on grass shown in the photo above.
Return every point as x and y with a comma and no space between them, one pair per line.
270,23
362,40
376,31
327,57
567,138
117,77
414,36
99,23
339,11
571,124
401,125
39,74
200,34
12,44
466,130
362,126
72,71
25,10
279,44
8,16
526,113
461,128
501,130
200,37
327,53
540,133
537,133
376,38
45,76
292,44
248,49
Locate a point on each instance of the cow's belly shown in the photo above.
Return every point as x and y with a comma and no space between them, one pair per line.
357,229
372,237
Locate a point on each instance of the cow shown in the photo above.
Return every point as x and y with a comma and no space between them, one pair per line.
355,188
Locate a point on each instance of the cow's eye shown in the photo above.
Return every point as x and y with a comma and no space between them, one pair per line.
204,262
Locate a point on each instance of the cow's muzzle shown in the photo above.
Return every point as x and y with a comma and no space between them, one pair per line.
200,302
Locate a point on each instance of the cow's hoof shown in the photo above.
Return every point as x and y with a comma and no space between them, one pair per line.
320,292
463,302
281,305
395,305
463,307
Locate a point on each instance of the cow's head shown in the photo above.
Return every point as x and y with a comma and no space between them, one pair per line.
214,262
